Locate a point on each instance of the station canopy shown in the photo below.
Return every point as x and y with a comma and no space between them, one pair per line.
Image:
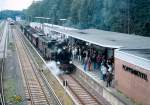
109,39
106,38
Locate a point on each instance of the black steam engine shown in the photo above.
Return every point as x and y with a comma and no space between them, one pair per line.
50,49
64,61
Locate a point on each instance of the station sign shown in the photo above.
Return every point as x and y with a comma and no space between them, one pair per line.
135,72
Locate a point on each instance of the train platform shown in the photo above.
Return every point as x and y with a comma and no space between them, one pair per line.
95,74
113,96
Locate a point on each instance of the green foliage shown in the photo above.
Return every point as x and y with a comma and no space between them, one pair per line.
9,13
16,99
127,16
75,7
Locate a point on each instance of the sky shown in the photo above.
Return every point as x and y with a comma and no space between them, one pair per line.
15,4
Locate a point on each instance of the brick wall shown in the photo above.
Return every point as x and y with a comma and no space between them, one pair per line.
131,85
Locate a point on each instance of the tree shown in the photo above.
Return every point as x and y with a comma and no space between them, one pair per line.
97,19
75,7
12,14
126,16
83,14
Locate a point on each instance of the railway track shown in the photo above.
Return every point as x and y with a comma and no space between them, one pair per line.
1,30
36,92
2,65
80,93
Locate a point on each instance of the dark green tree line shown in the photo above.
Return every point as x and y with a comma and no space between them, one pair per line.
11,14
127,16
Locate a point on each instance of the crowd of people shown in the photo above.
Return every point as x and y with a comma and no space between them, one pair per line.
93,60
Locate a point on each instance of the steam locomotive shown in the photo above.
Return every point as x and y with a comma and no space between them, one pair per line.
50,49
64,61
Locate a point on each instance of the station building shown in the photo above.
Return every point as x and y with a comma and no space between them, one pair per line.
132,74
131,59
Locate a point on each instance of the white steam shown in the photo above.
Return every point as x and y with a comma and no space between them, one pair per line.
54,68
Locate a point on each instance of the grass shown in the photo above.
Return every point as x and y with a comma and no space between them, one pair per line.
10,91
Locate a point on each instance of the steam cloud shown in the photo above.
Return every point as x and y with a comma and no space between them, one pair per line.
54,68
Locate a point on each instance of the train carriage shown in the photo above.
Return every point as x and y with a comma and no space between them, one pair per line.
49,50
29,36
43,46
35,40
25,30
21,27
40,44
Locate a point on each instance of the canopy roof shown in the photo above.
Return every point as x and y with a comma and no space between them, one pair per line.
108,39
104,38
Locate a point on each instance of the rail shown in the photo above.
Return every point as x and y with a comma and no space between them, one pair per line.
1,33
2,98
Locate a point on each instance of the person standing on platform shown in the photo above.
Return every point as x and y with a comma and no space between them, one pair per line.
94,61
110,67
73,53
104,70
89,63
83,54
109,78
98,61
79,54
100,72
85,63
